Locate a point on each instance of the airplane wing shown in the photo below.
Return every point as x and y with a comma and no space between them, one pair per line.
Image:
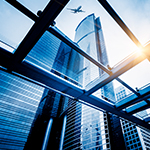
81,11
71,9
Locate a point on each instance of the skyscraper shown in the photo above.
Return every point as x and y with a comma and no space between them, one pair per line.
98,129
19,101
63,61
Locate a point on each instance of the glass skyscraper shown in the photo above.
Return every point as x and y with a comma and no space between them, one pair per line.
63,61
97,129
19,101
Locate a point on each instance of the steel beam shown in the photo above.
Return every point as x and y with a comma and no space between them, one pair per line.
76,48
137,108
34,73
127,86
147,119
119,21
124,66
23,9
144,95
40,26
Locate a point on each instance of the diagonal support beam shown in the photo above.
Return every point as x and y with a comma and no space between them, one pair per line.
127,86
76,48
40,26
23,9
124,66
119,21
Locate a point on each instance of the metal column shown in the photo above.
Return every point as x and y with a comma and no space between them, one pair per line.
63,133
47,134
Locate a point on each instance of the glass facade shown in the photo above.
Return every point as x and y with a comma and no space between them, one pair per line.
94,127
19,101
64,62
53,55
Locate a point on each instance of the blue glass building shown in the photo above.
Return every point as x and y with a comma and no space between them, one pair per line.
63,61
19,101
98,129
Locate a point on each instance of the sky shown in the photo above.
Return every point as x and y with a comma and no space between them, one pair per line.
135,13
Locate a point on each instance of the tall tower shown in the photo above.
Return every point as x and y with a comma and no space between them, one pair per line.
60,59
98,129
94,125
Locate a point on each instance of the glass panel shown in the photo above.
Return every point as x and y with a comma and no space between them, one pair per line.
136,106
34,5
136,15
14,25
142,115
121,92
52,54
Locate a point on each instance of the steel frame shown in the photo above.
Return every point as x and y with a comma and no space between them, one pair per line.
32,72
38,29
66,40
55,82
42,76
144,95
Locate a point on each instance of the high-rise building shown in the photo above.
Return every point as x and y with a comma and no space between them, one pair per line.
19,101
63,61
98,129
135,137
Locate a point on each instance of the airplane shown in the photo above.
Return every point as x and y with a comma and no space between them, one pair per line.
76,10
